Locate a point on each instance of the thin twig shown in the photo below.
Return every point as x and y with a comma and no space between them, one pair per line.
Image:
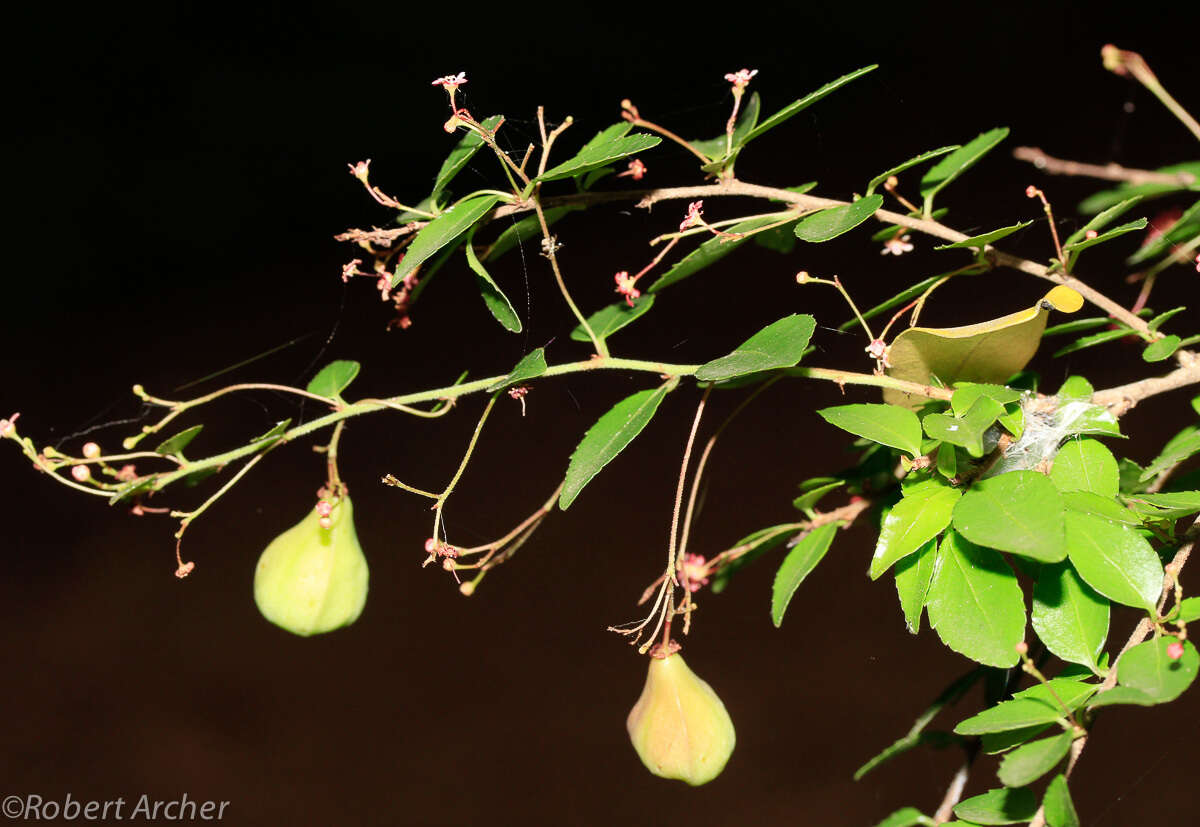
1107,172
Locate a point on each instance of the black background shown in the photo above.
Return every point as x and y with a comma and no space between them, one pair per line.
174,180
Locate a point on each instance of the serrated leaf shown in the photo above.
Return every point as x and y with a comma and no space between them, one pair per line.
711,251
175,445
1057,806
808,499
1005,805
993,743
1086,465
1102,220
1068,616
834,221
334,378
987,352
778,345
911,162
497,303
800,560
914,573
1088,503
531,366
795,107
958,162
1147,675
1114,560
607,438
441,231
460,155
982,240
1189,609
966,431
1161,349
975,604
1031,707
601,154
1020,512
608,320
889,425
1029,762
914,521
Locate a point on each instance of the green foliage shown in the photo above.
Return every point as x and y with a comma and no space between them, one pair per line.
1000,806
1069,616
173,446
1057,805
607,438
599,154
1114,560
801,560
778,345
460,156
531,366
334,378
911,523
1029,762
958,162
1147,675
911,162
885,424
442,231
1086,465
798,106
1039,705
984,239
1161,349
608,320
497,303
914,573
1020,512
712,251
834,221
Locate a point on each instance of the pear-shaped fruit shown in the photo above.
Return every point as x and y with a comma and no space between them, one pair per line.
313,579
679,726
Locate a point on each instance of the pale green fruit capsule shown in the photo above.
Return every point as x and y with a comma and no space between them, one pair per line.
679,726
312,579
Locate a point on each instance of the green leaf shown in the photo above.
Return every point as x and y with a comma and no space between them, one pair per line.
460,155
1107,198
801,560
441,231
1189,610
608,320
607,438
757,543
975,604
1186,226
1181,446
967,430
1086,465
886,424
981,241
800,105
808,499
1028,763
1102,220
278,430
1057,805
1077,326
1088,503
1036,706
176,444
332,379
1019,512
1093,340
912,522
1114,560
906,817
958,162
493,296
1161,349
1157,321
913,576
1116,232
139,487
993,743
947,461
911,162
967,393
524,229
1146,674
531,366
1068,616
830,223
1172,505
600,154
1005,805
714,148
712,251
778,345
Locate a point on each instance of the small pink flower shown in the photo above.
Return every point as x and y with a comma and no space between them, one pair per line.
897,246
351,269
626,287
1197,266
693,218
1175,650
184,569
741,78
1090,234
879,352
81,473
451,82
1031,191
694,573
361,170
91,450
8,426
324,508
636,171
384,286
127,473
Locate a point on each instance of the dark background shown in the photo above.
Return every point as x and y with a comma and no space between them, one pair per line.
174,180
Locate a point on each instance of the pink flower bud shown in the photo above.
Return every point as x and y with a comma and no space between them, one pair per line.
81,473
324,508
91,450
325,523
1175,650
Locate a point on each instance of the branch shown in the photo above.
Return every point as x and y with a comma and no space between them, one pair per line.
1123,397
1107,172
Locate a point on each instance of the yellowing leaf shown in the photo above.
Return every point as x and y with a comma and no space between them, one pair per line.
989,351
